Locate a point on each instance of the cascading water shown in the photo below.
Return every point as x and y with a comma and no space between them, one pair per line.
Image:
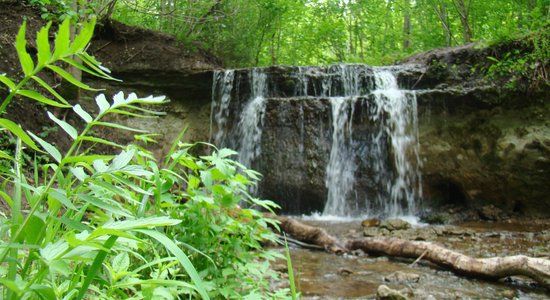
395,111
402,129
246,137
221,89
340,177
369,137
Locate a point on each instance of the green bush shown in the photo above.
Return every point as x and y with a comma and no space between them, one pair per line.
122,226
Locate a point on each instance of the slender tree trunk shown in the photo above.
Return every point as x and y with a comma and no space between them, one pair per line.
443,16
406,24
110,8
464,13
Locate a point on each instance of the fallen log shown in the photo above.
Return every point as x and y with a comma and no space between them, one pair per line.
486,268
309,234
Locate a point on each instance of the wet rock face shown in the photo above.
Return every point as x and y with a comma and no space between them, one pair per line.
498,156
296,146
478,145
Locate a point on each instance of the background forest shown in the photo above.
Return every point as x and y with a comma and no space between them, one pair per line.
313,32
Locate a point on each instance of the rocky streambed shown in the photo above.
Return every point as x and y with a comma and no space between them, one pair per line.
322,275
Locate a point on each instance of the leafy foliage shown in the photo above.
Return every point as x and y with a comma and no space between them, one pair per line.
304,32
529,66
121,226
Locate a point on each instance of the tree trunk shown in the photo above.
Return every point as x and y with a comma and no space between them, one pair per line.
406,24
443,16
464,14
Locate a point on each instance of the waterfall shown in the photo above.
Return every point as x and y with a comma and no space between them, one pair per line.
221,89
366,139
401,127
246,137
340,177
395,110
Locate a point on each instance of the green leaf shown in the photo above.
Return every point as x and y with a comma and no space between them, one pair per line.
48,147
15,129
60,267
43,44
155,282
70,130
100,141
40,98
88,159
121,160
6,198
95,65
102,103
70,78
61,196
50,252
62,39
16,286
106,204
142,223
21,46
82,67
4,155
8,82
118,126
182,258
84,37
226,152
50,89
73,224
33,229
96,266
79,173
206,177
121,262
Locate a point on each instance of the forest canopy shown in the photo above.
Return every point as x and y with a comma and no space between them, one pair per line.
312,32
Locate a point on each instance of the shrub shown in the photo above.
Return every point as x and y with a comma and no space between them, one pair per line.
122,226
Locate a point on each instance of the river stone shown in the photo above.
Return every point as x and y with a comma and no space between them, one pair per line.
370,223
395,224
490,213
385,293
402,277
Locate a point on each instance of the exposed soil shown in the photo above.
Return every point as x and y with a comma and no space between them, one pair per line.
147,61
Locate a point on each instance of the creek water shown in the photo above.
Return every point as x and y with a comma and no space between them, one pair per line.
326,276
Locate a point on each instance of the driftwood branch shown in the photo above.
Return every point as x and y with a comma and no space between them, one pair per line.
309,234
488,268
485,268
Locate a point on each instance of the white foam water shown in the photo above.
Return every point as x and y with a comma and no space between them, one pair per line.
222,88
401,127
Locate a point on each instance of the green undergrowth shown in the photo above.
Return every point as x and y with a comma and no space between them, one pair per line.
121,226
525,63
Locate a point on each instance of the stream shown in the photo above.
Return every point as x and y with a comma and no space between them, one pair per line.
322,275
